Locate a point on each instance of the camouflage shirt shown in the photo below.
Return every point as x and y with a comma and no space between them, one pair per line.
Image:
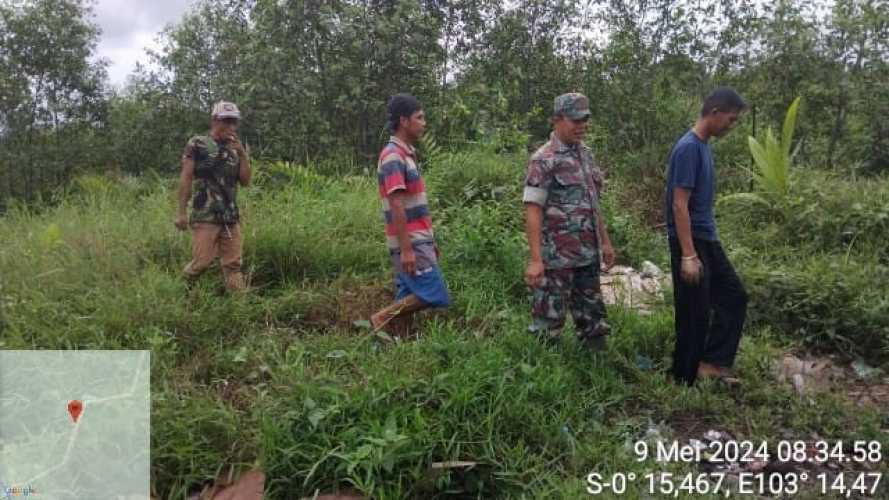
565,181
215,185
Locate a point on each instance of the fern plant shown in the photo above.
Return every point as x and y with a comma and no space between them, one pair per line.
432,153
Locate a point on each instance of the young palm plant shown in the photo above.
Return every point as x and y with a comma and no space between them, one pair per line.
772,161
774,158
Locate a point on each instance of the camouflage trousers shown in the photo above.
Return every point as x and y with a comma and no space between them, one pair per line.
576,289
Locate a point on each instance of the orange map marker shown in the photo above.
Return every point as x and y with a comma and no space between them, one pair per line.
75,408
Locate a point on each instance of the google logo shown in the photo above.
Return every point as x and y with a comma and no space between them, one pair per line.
9,492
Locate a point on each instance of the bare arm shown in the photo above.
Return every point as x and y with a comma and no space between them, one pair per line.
244,171
186,177
682,220
535,195
399,220
605,241
533,229
691,267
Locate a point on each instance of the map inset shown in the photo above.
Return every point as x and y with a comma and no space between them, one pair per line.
74,424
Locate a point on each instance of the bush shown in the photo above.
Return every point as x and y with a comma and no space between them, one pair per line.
465,178
827,304
822,213
634,240
841,215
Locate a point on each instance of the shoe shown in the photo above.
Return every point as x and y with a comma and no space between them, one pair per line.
597,339
601,329
595,344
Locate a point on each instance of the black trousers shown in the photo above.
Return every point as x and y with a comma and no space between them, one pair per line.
710,314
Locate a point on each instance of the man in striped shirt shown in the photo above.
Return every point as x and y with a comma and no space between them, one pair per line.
418,280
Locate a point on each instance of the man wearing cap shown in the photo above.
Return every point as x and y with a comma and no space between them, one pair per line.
565,229
418,280
212,167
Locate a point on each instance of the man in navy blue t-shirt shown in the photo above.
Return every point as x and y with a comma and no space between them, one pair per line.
709,298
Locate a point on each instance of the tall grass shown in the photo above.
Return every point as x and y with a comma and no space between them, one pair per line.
261,381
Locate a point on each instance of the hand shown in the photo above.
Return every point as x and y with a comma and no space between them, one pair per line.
534,274
181,222
607,255
691,270
235,143
437,253
408,262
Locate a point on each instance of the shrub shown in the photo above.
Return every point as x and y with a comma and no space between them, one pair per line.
827,304
461,179
823,213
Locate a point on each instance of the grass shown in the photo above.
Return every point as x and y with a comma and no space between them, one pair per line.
816,262
279,380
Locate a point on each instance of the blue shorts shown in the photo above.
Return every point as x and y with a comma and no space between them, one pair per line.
427,283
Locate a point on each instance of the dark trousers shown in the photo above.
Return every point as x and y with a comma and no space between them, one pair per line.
710,314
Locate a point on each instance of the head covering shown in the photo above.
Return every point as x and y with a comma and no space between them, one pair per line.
574,106
400,105
223,109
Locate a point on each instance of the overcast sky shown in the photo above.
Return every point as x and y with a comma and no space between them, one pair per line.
128,27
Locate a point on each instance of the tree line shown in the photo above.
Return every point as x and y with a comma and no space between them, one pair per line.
312,78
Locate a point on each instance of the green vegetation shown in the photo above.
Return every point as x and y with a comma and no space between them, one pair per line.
313,80
281,379
774,157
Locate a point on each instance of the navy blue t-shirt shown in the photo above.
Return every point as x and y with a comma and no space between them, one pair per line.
691,167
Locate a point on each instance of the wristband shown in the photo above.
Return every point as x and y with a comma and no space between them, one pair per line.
691,257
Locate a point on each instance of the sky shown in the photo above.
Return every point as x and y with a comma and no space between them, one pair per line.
128,28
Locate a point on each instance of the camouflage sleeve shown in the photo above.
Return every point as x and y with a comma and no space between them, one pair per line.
189,151
537,182
195,148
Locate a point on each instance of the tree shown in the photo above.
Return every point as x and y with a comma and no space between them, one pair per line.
52,103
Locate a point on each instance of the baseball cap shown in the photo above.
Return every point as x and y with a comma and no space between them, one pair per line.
572,105
223,109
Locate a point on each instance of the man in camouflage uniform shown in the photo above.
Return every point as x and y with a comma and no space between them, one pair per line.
565,230
212,167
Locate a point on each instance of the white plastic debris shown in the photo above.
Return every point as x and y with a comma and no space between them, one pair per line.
650,270
629,288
